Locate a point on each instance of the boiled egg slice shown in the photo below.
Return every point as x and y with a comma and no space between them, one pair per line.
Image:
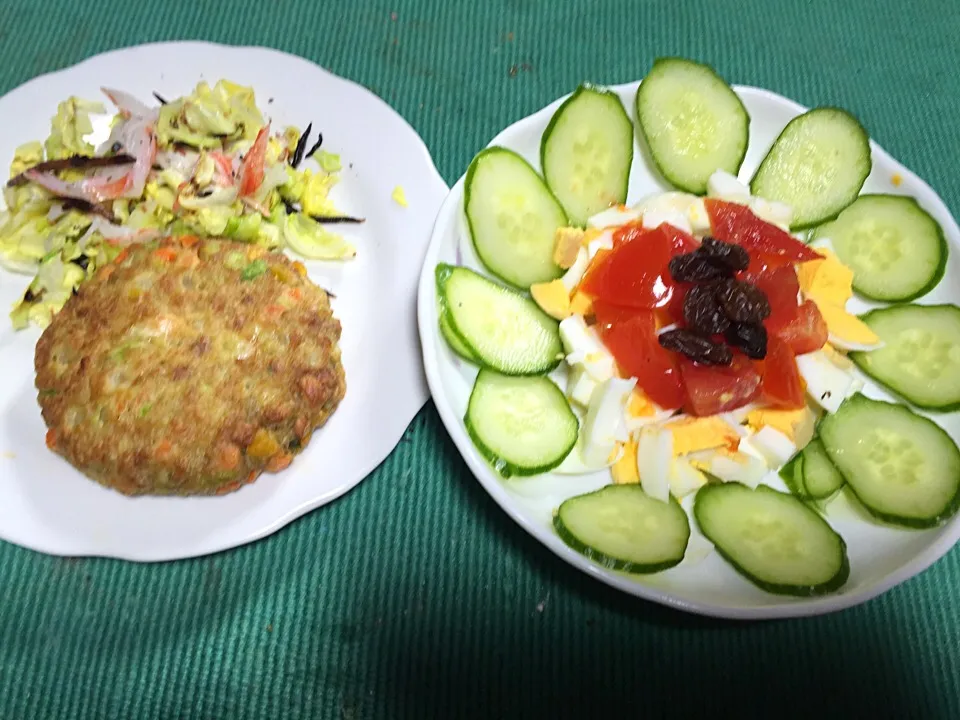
614,217
797,425
775,447
584,348
572,277
685,478
724,186
692,434
745,465
828,385
654,460
602,424
829,284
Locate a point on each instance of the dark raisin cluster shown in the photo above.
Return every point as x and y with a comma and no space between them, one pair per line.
718,304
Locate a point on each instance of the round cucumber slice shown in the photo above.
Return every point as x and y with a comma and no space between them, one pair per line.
920,357
896,250
622,528
586,153
513,218
500,327
522,425
692,121
773,539
817,166
903,467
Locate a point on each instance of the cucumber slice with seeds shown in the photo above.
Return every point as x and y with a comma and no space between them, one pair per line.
902,467
513,218
522,425
501,328
586,152
773,539
622,528
896,250
920,358
817,166
692,121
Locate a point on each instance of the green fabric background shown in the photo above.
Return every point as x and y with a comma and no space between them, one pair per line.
415,596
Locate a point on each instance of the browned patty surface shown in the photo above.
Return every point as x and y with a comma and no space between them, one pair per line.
189,368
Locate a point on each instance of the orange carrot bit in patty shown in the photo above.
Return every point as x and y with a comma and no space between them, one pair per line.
162,449
278,462
51,438
228,456
300,268
122,256
188,241
229,487
166,253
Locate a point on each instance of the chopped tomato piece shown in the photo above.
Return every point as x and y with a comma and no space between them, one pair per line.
806,332
632,340
251,168
732,222
683,242
712,389
634,273
608,315
780,385
781,287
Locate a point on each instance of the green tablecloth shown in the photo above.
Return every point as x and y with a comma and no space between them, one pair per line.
415,596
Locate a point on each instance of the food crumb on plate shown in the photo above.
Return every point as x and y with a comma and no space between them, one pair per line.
896,179
8,454
399,196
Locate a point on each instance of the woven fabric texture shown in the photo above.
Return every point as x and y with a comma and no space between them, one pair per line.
414,595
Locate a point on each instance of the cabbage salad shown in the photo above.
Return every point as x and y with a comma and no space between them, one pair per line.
206,164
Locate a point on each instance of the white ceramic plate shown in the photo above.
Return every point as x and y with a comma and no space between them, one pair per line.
880,557
47,505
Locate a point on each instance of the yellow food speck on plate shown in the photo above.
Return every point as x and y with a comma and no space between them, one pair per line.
8,454
896,179
399,196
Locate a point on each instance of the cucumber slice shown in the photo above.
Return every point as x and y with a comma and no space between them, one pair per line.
513,218
903,467
622,528
920,358
896,250
455,343
792,475
773,539
586,152
522,425
820,478
817,165
693,122
503,329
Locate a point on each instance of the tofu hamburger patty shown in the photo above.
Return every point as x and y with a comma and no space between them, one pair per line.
189,367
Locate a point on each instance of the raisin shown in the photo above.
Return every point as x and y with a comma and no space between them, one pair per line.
742,301
702,312
727,255
696,347
749,337
694,267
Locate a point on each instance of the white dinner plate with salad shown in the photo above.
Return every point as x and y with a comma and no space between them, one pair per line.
370,166
703,344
